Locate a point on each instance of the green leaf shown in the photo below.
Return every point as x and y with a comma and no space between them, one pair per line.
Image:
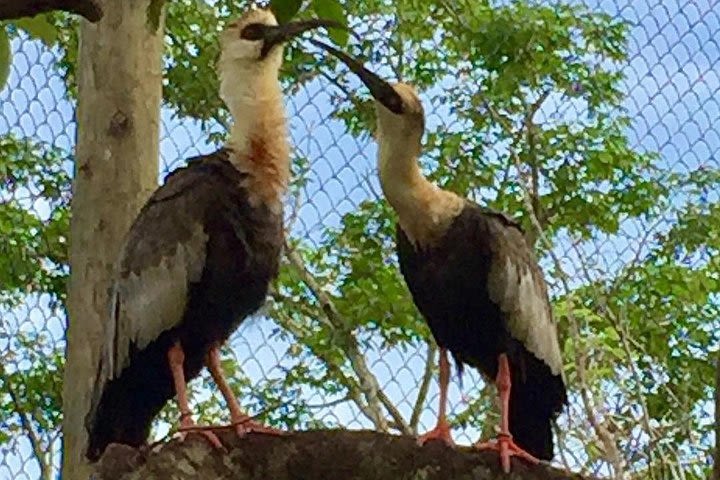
333,10
284,10
5,57
38,27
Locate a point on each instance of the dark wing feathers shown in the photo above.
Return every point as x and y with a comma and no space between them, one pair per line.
516,284
489,247
482,293
173,210
197,227
164,252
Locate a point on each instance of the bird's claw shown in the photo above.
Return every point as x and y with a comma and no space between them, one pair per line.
247,425
187,425
241,427
507,448
440,432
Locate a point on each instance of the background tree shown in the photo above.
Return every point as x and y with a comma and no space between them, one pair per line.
118,113
528,113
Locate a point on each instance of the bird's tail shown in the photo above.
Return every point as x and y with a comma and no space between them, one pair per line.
124,407
536,398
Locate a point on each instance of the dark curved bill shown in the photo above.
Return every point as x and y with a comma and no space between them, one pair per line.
282,33
381,90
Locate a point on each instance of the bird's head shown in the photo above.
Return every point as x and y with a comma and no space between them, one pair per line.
255,40
245,40
409,123
400,114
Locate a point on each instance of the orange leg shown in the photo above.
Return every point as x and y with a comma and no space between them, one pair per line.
176,358
442,429
504,443
242,422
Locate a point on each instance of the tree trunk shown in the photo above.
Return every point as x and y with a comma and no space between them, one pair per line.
116,168
317,455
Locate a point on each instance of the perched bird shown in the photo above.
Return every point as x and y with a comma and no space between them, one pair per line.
201,253
474,278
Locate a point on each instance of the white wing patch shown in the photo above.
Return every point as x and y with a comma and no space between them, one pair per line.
146,303
513,287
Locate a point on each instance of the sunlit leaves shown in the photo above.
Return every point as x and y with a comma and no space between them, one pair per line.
31,371
38,27
33,254
284,10
524,96
371,290
190,85
333,10
5,57
35,390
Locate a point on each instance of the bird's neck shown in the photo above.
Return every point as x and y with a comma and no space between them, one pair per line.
258,137
424,210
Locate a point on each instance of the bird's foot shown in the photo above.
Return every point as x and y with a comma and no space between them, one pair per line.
505,446
187,425
246,424
242,427
440,432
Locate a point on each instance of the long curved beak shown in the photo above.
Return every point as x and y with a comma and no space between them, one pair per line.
273,36
381,90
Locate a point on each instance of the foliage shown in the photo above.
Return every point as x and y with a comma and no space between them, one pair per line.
524,102
34,219
5,57
191,52
34,227
37,27
30,397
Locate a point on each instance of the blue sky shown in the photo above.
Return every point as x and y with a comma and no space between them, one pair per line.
673,86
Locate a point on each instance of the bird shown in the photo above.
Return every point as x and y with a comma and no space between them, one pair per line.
200,256
474,277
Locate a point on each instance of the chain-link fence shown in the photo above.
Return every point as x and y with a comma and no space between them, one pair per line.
595,124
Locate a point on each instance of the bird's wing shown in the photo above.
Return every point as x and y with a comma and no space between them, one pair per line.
516,284
164,252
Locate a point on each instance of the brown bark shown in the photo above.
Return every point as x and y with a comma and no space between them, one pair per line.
316,455
10,9
116,168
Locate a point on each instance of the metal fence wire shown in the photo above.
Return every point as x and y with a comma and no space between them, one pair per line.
628,249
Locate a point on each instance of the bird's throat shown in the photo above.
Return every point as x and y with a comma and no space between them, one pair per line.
424,211
259,137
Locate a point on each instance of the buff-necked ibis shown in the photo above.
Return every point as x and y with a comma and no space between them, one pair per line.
475,279
201,253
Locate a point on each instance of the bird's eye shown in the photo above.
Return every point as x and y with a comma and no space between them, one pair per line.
254,31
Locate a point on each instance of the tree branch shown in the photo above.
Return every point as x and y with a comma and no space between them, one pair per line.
35,442
504,183
12,9
334,80
424,387
354,392
315,455
535,168
527,130
619,323
368,383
